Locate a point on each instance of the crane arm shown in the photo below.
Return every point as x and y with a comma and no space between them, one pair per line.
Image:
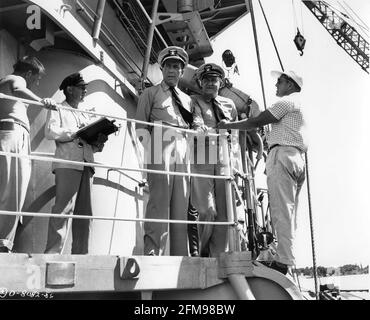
343,33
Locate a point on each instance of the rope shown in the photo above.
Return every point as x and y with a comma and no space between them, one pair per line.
295,22
306,160
363,27
154,124
57,215
311,229
364,23
272,37
349,16
257,51
302,18
98,165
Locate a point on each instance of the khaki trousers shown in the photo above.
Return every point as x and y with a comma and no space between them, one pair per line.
73,196
168,195
285,168
208,196
12,189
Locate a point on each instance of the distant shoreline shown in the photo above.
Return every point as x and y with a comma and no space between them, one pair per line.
352,282
348,269
334,275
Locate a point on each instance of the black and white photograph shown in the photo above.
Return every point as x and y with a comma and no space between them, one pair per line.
183,155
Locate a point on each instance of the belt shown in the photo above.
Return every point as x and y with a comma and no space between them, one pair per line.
279,145
272,147
10,125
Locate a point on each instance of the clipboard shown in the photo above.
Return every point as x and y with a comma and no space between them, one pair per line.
90,132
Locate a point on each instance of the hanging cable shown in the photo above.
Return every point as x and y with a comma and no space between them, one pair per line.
299,39
271,35
347,15
358,17
295,22
257,51
364,25
311,228
302,18
306,158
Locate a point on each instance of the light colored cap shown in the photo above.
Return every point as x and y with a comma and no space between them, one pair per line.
173,52
290,74
210,69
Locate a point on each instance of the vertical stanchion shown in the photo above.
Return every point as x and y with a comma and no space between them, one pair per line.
249,197
232,235
98,20
16,182
149,44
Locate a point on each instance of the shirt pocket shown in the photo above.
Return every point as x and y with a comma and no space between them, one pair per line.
164,106
165,110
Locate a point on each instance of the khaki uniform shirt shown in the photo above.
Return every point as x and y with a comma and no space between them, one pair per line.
156,104
60,125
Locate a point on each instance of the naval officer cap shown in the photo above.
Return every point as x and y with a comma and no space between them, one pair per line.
74,79
173,52
210,69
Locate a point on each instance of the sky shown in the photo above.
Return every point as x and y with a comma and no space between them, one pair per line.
335,99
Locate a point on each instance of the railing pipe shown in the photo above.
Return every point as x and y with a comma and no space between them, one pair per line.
98,20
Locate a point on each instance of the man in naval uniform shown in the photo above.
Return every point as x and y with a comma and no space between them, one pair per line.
168,194
208,195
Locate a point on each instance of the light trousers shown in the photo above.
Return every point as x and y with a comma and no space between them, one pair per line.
285,168
73,196
14,178
209,198
168,195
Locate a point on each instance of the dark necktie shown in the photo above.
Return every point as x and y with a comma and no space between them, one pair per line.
186,115
219,114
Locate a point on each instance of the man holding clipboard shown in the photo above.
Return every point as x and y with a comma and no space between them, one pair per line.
73,182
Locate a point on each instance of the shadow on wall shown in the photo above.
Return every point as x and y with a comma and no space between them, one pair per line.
39,225
31,236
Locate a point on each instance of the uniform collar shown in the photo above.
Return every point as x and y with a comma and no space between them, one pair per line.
166,87
210,99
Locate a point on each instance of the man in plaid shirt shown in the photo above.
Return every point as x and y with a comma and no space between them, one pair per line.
285,164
